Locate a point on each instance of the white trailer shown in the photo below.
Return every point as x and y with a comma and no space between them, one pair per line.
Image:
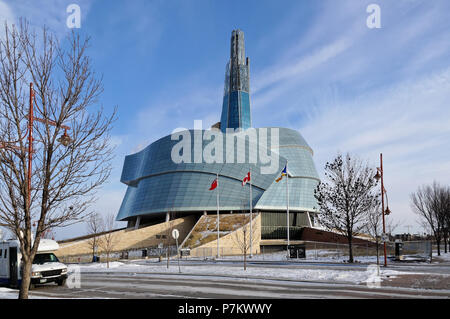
46,266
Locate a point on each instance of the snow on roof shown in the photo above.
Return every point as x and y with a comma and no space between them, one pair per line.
47,245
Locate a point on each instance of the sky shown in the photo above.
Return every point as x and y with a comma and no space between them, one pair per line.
315,67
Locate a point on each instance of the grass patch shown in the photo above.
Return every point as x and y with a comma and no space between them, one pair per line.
206,230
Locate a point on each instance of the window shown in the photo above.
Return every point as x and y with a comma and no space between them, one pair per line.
45,258
5,253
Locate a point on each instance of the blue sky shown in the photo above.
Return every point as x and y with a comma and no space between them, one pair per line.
315,67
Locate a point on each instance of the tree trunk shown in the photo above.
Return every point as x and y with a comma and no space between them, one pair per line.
245,260
438,243
378,253
168,257
350,250
26,279
445,241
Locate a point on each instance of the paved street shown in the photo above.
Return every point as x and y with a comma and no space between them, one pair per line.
162,285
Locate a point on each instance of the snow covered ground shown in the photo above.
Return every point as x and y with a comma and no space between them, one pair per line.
8,293
297,274
311,256
322,256
443,257
289,272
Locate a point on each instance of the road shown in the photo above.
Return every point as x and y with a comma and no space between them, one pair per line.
141,286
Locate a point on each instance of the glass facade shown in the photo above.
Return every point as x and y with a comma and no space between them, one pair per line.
246,121
273,224
156,184
236,99
236,111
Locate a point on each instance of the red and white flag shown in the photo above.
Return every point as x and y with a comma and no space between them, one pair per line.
213,185
246,179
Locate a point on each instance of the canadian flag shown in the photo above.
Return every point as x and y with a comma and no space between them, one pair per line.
246,179
213,185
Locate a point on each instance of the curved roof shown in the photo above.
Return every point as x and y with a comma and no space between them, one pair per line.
158,184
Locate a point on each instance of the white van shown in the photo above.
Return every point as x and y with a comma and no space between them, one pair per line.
46,266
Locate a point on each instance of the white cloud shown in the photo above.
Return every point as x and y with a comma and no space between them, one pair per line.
109,201
51,13
348,82
367,92
6,16
177,111
408,123
6,12
288,69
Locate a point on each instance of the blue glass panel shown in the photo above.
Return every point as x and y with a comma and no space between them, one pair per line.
156,184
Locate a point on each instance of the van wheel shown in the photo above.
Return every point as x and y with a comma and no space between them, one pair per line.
61,282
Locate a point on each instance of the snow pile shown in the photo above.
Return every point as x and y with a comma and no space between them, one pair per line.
7,293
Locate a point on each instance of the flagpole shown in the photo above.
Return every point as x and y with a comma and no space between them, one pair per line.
287,206
251,219
218,254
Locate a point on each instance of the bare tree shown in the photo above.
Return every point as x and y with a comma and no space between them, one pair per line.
442,208
169,226
429,203
392,225
94,227
244,237
171,216
49,234
64,179
374,227
446,216
107,241
347,197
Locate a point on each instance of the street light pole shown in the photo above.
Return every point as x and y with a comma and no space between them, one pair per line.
287,209
64,140
384,212
30,148
218,218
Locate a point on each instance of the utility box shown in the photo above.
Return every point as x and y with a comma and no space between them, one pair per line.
398,249
297,251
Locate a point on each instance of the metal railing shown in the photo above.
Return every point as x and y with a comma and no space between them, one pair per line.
314,251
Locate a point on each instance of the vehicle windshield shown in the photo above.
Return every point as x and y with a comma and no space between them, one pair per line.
45,258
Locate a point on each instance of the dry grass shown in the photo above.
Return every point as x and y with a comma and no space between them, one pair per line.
206,230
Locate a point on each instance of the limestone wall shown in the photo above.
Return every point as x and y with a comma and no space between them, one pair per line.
128,239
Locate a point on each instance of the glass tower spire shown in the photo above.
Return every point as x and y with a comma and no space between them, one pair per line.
236,98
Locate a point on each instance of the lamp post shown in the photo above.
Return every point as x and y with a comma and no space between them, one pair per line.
379,176
64,140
